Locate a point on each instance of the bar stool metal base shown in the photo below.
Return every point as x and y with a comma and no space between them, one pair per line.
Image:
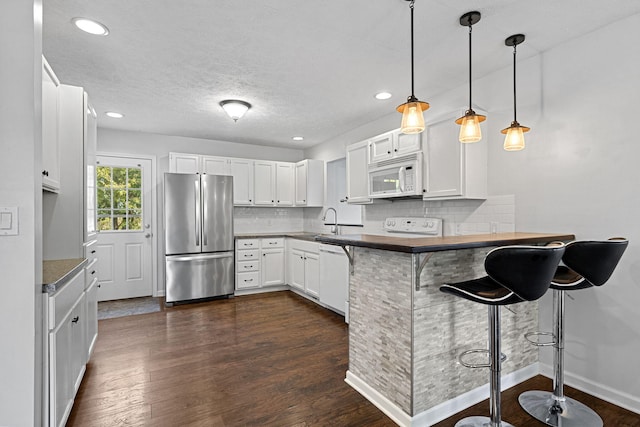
480,422
544,407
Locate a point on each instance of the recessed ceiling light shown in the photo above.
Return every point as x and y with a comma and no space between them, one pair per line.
114,115
90,26
298,138
383,95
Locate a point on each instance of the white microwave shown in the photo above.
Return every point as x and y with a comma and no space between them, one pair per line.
399,177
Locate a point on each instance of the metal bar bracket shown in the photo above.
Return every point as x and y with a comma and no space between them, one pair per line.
420,267
351,259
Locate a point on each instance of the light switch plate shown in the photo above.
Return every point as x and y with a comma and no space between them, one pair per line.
8,221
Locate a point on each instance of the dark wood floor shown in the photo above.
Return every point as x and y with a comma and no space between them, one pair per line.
272,359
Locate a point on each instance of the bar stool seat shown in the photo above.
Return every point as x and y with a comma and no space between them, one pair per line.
514,274
587,264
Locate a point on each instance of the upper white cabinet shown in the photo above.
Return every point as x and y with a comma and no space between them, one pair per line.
284,184
214,165
242,172
357,169
393,144
264,183
90,148
453,170
309,183
50,118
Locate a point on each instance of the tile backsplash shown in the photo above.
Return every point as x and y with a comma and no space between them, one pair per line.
267,220
495,214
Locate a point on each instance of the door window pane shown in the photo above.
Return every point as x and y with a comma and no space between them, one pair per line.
119,202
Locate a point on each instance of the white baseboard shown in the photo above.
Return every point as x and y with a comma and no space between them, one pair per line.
601,391
444,409
239,292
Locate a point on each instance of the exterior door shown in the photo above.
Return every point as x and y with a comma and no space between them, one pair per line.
125,238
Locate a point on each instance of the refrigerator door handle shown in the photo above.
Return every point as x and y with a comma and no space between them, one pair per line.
205,213
201,257
197,209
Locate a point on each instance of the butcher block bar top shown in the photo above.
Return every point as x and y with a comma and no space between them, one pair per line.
436,244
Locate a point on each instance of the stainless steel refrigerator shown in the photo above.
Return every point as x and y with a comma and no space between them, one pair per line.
198,231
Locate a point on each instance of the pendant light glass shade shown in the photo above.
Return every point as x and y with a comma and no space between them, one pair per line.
470,123
412,117
470,127
514,139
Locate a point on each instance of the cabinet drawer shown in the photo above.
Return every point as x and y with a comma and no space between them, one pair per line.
275,242
248,266
250,255
248,280
90,251
63,301
247,244
91,272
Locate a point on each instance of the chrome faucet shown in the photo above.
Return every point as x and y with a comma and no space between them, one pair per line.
334,229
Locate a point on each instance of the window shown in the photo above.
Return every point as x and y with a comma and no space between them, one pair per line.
119,195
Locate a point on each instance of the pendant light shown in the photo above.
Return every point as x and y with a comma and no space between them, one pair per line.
514,139
470,122
412,118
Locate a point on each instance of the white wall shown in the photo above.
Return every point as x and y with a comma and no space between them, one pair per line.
578,174
246,220
21,186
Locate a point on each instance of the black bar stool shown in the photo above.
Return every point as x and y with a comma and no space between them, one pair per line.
514,274
587,264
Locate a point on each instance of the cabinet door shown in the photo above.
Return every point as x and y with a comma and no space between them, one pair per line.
312,274
90,147
284,184
407,144
301,183
50,144
442,176
381,147
91,316
357,170
272,267
60,381
214,165
297,269
264,183
78,352
184,163
242,172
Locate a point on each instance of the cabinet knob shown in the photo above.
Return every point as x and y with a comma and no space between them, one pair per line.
75,319
264,254
250,200
388,152
395,150
272,201
278,201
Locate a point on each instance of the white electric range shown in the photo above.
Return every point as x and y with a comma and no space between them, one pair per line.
413,227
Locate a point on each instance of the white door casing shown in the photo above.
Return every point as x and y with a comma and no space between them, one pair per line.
126,257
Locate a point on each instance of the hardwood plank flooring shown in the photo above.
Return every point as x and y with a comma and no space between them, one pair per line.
263,360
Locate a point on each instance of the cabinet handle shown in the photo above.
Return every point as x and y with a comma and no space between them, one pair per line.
247,255
248,280
388,152
248,266
93,251
75,319
93,272
395,150
273,243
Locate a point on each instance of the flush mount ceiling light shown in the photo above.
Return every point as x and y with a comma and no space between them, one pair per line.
412,118
235,108
298,138
383,95
114,115
470,122
90,26
514,141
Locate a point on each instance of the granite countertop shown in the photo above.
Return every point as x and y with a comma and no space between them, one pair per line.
56,273
301,235
436,244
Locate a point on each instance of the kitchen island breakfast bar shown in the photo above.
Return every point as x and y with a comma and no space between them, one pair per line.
405,335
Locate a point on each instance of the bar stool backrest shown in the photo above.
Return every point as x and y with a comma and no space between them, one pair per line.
526,271
595,260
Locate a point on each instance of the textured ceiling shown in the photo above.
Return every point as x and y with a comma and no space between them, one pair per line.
309,68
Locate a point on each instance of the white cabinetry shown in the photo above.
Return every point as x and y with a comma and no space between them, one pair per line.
264,183
184,163
393,144
242,172
284,184
91,296
259,263
50,141
67,355
334,276
214,165
453,170
357,170
310,183
303,265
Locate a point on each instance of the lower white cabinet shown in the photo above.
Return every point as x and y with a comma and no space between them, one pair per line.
259,263
303,263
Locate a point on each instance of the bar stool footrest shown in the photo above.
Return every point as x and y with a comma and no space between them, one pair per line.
528,336
462,355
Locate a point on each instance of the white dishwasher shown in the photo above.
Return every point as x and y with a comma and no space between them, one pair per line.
334,279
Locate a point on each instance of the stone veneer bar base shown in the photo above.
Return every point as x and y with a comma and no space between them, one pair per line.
404,343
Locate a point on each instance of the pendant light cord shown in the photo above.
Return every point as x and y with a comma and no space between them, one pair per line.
470,62
412,88
514,84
